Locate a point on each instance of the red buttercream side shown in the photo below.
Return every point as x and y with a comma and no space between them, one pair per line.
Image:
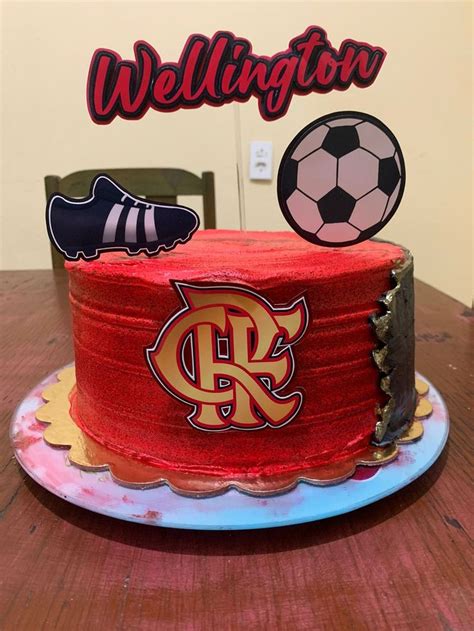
120,303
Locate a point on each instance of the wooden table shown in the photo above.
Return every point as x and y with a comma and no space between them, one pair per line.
402,563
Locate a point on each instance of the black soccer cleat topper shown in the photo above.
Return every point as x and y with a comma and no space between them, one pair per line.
111,218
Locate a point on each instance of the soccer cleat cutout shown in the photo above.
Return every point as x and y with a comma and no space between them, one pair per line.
111,219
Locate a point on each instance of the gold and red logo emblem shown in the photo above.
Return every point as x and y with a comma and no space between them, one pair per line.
228,354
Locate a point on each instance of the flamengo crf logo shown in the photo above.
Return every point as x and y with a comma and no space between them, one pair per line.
228,354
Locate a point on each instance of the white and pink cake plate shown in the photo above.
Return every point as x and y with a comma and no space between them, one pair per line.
160,506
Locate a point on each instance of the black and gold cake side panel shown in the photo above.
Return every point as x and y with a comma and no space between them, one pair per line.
395,357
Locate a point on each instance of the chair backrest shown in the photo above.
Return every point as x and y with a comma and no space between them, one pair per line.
159,185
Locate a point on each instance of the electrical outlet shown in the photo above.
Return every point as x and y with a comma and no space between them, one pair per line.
261,153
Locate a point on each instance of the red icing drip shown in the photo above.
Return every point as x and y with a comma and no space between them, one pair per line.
120,303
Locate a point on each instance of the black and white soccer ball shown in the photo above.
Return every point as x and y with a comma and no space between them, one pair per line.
341,179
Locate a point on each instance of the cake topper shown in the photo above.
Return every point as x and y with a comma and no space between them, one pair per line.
341,179
111,218
223,69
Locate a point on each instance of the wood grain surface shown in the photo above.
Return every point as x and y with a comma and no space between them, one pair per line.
402,563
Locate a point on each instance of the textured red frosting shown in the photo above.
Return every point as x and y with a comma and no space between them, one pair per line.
119,304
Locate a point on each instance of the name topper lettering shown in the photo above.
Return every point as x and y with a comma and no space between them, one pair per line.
224,69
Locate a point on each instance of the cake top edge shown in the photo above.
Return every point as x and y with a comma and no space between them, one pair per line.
232,255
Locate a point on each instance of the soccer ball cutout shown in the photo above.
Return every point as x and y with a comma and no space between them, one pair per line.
341,179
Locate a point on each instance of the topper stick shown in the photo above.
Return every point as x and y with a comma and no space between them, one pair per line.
239,164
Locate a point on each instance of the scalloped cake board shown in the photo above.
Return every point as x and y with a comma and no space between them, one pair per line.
96,491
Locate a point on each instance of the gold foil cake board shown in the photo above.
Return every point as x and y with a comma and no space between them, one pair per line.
87,454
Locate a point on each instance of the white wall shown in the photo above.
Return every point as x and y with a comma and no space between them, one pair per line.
422,93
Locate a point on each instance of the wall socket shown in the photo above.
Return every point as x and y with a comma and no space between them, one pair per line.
261,158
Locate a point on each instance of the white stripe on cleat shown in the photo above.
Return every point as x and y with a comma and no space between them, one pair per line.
110,228
131,225
150,227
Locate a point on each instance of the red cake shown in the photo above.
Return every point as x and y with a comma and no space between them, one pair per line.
310,359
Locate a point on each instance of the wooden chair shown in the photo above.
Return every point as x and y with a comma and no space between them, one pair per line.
160,185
